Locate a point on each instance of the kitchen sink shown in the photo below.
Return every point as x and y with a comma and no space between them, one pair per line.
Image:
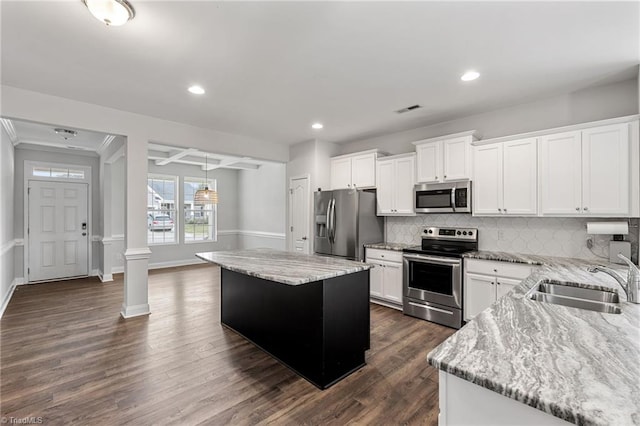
575,297
578,292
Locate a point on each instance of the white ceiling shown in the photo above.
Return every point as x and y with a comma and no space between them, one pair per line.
42,134
271,69
26,132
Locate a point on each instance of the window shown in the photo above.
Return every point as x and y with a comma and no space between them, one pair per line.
161,209
199,221
58,172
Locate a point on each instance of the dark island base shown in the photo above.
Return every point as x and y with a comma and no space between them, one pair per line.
320,329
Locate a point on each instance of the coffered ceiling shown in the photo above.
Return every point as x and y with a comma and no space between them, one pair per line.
271,69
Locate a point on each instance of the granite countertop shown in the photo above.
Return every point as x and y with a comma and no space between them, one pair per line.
283,266
578,365
503,256
389,246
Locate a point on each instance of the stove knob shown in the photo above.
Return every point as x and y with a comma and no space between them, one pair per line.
458,232
464,233
431,231
470,233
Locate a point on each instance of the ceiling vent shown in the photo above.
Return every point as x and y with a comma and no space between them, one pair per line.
407,109
65,133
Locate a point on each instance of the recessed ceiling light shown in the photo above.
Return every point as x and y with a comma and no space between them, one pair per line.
470,75
111,12
196,90
317,126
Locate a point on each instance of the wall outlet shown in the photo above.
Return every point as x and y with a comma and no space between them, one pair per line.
500,235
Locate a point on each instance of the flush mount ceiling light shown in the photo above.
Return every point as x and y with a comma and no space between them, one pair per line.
111,12
317,126
196,90
65,133
205,196
470,75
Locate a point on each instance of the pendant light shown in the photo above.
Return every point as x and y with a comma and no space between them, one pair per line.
205,196
111,12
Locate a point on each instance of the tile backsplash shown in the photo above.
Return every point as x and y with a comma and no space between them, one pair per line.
563,237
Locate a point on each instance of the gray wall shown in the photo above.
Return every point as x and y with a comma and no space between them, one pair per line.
310,158
227,181
6,216
262,207
25,152
596,103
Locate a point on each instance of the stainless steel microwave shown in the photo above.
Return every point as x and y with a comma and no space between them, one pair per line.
454,197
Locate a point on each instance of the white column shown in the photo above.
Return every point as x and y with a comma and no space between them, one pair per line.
105,212
137,253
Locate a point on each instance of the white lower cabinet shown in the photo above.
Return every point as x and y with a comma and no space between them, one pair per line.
485,281
385,278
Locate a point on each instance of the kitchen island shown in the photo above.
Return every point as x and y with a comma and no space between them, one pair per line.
309,312
523,361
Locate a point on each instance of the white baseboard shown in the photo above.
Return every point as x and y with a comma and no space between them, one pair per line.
135,310
7,297
105,277
173,263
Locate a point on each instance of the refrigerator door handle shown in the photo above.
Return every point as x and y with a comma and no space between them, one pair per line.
329,221
333,220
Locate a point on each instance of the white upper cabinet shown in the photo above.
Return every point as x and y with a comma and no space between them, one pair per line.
586,172
340,173
487,184
395,180
444,159
429,162
605,170
520,177
505,178
354,170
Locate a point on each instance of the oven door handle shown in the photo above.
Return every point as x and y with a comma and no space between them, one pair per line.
429,259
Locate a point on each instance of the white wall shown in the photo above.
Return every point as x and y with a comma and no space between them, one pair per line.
596,103
262,202
310,158
26,152
7,236
181,252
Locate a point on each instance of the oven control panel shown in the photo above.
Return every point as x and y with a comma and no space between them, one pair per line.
435,233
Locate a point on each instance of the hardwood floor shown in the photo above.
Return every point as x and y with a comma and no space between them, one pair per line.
68,357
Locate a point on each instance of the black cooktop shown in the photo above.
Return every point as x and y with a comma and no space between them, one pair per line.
447,242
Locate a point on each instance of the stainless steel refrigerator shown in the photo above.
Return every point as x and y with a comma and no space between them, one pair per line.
345,220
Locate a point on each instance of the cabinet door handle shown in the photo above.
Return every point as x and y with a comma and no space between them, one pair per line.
491,282
500,210
445,176
585,209
436,177
498,282
505,210
495,270
577,209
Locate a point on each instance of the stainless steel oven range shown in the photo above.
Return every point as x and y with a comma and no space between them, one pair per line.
432,288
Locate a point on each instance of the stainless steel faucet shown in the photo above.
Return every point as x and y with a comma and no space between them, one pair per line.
631,286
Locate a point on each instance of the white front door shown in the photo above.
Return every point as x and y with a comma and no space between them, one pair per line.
299,214
57,230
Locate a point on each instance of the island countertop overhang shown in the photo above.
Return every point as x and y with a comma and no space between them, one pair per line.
283,267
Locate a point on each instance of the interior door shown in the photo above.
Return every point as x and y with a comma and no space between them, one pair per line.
57,230
299,200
